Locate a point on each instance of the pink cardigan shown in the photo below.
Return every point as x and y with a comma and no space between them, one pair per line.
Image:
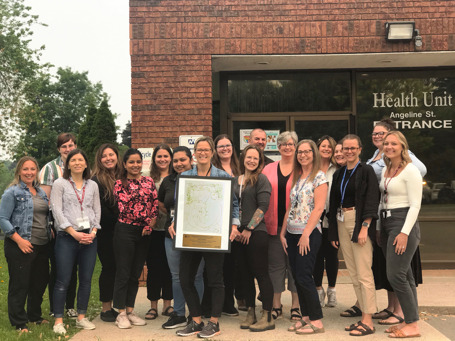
271,216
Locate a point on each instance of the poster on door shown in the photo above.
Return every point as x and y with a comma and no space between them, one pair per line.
272,136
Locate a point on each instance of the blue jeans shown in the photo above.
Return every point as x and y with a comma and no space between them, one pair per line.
173,259
68,251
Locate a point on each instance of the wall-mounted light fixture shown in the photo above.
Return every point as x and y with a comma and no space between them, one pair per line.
402,31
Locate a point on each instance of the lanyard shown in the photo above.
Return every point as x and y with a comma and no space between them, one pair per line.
81,200
208,172
386,184
298,190
240,193
343,190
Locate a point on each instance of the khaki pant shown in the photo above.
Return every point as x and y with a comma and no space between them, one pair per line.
359,260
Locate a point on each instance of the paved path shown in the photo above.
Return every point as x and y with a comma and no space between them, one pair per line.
436,297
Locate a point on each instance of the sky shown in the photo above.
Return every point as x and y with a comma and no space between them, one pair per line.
89,35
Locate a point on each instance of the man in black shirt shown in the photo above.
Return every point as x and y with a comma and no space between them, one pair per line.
258,137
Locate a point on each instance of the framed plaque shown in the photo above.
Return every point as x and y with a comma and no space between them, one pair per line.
203,213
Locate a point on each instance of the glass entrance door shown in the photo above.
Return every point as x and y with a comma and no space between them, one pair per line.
313,127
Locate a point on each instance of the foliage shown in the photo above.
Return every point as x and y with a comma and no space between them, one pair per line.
43,332
84,141
19,64
126,135
54,105
6,175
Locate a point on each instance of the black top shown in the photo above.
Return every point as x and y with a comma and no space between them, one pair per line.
366,201
267,160
282,182
109,211
349,195
254,197
166,195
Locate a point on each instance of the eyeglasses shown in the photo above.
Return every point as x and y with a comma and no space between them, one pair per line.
287,144
350,149
305,152
380,133
203,151
226,146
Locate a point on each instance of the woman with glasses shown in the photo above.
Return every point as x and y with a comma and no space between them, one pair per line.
401,198
354,201
204,149
279,174
301,234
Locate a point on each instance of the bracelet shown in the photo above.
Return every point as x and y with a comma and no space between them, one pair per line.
94,232
249,229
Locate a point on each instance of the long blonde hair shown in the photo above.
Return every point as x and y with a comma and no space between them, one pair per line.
20,164
405,158
316,162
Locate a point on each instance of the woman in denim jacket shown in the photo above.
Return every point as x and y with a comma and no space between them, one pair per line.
24,216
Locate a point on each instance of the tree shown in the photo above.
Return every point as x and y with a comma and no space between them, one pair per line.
54,105
85,131
6,175
19,64
126,135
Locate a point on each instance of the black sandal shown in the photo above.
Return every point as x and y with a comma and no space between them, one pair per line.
277,312
352,326
166,311
295,314
363,329
383,314
351,312
151,314
384,322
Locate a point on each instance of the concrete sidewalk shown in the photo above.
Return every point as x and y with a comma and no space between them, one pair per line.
436,297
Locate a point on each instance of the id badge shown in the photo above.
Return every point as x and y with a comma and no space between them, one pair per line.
83,223
171,213
340,215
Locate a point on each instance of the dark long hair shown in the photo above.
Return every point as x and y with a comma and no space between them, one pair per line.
107,177
254,175
234,159
126,156
155,173
67,171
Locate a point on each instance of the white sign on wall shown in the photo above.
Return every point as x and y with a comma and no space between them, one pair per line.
146,160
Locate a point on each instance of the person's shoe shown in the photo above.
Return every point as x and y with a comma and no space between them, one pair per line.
59,329
321,294
250,318
135,320
230,311
211,329
191,329
109,316
331,297
122,321
265,323
174,321
72,313
85,324
241,305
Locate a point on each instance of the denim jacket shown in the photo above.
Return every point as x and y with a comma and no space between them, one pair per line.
215,172
16,211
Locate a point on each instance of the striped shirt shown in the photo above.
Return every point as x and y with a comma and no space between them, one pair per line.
51,172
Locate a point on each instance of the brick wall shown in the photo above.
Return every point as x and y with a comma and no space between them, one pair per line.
172,43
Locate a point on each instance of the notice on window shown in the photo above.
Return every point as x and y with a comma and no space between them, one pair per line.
272,136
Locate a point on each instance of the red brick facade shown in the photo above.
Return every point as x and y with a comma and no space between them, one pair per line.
172,43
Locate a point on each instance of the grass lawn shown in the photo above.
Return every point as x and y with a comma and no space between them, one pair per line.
44,332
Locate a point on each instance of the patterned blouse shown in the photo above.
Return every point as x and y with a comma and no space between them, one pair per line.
138,203
302,203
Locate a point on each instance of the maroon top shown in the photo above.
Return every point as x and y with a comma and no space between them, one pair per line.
138,203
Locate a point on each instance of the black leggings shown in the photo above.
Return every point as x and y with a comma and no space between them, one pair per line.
328,254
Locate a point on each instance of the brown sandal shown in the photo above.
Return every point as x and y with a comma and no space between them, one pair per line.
151,314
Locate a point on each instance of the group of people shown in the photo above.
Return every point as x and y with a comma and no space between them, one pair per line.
289,218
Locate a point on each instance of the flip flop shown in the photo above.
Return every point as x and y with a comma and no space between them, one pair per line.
386,323
295,314
351,312
363,329
383,314
166,311
398,334
308,326
151,314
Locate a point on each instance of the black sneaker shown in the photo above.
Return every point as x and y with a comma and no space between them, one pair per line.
210,330
191,329
109,316
230,311
175,321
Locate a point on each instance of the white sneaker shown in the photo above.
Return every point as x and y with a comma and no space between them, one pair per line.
321,294
135,320
331,297
59,329
71,313
85,324
122,321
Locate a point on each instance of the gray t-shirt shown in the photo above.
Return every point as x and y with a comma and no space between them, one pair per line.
39,225
254,197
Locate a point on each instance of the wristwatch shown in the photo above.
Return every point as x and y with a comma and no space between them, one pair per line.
365,224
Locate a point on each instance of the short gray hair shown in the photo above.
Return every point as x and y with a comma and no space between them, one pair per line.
285,136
